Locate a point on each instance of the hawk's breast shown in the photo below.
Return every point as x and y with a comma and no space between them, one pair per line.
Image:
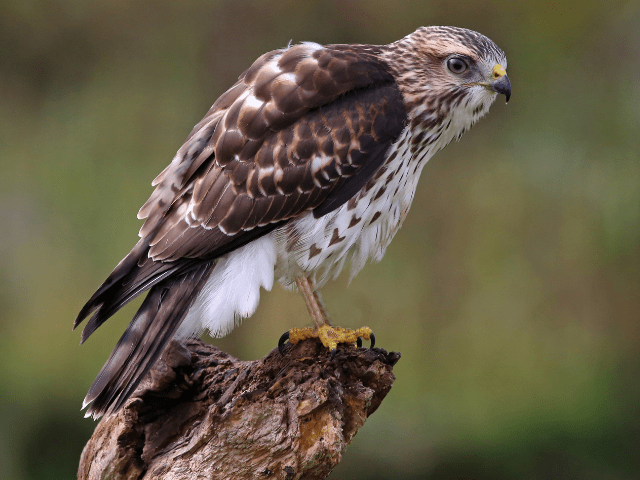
359,230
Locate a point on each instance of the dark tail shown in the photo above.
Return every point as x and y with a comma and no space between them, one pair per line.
131,277
145,339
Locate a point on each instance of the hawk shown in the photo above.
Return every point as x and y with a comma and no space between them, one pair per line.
307,164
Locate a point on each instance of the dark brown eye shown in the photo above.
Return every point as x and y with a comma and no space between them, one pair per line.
457,65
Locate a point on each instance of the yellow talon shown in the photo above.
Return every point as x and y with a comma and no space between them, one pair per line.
329,336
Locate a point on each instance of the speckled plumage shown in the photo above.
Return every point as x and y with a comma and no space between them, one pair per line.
307,164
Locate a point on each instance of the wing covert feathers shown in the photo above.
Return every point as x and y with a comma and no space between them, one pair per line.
295,127
303,129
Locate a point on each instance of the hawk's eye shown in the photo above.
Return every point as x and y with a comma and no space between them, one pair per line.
457,65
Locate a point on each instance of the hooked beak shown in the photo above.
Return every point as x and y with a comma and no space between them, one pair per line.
501,83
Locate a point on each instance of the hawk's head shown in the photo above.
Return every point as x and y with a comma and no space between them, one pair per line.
448,76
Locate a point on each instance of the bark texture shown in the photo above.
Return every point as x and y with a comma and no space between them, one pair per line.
202,413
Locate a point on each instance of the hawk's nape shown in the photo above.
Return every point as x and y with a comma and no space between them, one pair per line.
307,164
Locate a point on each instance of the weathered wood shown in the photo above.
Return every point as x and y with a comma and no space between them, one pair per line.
203,414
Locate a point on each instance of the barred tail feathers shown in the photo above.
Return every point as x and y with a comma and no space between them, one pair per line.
153,326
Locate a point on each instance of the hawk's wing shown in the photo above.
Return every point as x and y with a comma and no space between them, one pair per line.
295,130
303,128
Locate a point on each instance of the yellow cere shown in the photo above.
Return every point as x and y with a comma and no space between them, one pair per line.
498,71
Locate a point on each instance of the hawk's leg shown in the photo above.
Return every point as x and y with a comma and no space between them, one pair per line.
328,335
313,301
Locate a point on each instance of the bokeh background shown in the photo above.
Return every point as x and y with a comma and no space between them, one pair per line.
512,291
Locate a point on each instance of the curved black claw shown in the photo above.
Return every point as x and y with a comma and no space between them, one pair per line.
281,342
373,341
333,353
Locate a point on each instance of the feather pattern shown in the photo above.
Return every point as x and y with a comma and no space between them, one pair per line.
153,326
309,162
232,292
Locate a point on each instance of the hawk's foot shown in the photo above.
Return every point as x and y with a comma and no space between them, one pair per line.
329,336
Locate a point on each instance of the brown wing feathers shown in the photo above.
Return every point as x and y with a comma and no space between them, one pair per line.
267,134
311,120
338,146
302,129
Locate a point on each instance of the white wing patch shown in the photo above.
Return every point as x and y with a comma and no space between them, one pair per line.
313,46
252,103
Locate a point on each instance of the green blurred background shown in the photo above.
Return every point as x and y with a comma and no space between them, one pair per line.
513,290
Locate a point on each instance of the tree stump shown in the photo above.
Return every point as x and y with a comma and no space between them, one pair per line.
202,413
